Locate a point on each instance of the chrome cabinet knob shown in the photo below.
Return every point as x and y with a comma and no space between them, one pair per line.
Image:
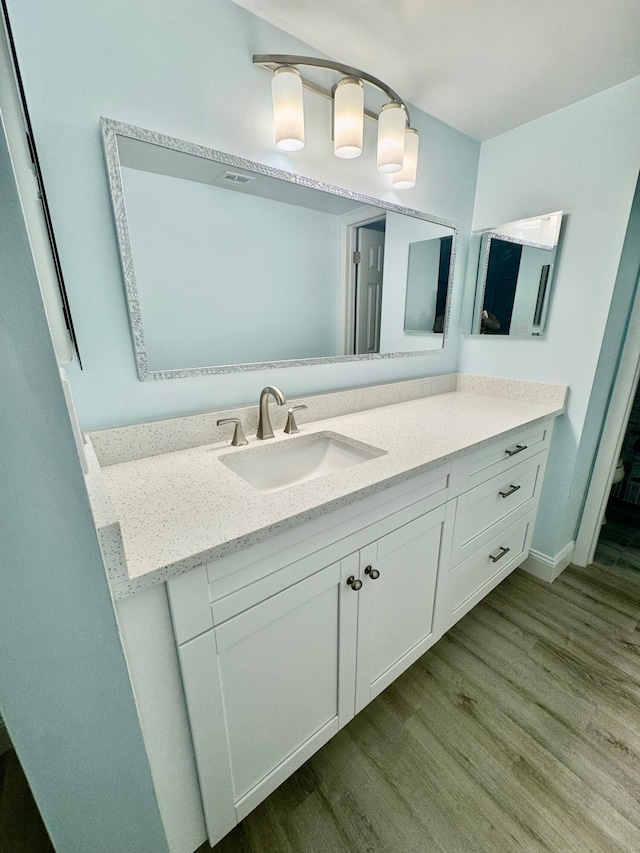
374,574
354,583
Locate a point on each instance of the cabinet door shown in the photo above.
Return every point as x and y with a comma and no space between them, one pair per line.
269,687
396,607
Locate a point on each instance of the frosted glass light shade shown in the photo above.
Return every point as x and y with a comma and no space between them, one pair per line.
392,122
348,118
406,177
288,110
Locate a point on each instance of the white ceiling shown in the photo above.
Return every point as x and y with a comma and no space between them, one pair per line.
482,66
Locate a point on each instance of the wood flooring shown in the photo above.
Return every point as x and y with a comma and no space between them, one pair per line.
518,731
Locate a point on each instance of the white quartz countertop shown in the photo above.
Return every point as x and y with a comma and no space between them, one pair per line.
181,509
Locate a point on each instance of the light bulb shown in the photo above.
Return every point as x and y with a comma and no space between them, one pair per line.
406,177
392,122
288,110
348,118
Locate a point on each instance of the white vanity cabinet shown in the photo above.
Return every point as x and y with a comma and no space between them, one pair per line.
290,657
282,642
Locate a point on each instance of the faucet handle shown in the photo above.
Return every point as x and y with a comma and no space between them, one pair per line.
239,438
292,426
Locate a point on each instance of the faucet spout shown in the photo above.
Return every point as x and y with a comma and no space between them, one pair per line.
265,430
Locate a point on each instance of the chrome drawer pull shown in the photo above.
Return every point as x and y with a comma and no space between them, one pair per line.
499,556
511,451
509,491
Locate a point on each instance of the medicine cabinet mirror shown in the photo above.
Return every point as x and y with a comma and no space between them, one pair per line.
232,265
514,275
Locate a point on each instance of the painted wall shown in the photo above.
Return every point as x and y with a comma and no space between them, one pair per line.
65,694
225,277
186,70
583,159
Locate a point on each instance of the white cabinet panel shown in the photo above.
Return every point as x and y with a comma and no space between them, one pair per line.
279,682
199,666
396,610
267,688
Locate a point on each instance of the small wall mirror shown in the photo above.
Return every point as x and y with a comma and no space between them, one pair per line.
515,272
233,265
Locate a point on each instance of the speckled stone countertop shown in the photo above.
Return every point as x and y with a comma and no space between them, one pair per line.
179,510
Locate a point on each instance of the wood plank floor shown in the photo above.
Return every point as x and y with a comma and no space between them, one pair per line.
518,731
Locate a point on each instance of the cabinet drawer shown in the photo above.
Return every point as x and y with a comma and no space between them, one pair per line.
490,502
476,576
499,456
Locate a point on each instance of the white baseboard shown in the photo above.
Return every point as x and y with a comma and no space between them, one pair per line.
548,568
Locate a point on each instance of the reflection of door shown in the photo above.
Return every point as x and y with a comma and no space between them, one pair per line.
369,290
502,280
446,244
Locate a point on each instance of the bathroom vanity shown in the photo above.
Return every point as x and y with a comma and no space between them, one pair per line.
293,605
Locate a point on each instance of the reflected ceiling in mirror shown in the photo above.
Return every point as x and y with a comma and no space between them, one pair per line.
232,265
514,276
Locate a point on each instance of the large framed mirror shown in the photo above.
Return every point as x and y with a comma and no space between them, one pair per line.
515,270
232,265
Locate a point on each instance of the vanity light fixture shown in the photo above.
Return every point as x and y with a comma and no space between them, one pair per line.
288,114
392,124
397,153
348,118
406,177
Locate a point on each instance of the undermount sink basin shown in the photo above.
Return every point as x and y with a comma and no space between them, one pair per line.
296,460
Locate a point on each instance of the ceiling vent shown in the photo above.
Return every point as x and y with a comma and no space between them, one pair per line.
235,178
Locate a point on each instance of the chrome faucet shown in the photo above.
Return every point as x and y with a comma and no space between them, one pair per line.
265,430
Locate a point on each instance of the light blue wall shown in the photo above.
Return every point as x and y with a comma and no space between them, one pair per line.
225,277
64,689
583,159
185,69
